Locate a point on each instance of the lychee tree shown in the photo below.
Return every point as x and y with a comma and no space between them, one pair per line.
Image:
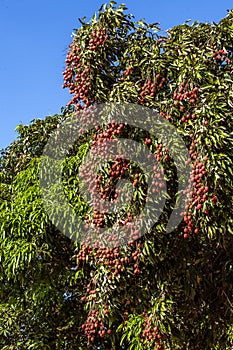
159,291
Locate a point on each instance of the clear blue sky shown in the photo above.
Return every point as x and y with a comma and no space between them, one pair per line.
35,35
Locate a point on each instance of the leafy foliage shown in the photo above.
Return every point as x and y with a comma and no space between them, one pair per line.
162,290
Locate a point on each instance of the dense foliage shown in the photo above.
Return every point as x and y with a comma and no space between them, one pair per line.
159,291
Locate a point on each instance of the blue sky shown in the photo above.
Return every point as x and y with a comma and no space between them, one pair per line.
35,35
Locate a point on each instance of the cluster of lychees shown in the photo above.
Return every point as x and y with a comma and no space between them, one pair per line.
150,87
158,182
94,326
150,334
165,115
111,258
98,38
184,93
102,186
126,73
99,186
115,262
76,74
221,56
76,78
161,152
197,192
101,145
117,169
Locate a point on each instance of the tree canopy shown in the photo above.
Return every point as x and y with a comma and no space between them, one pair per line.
163,290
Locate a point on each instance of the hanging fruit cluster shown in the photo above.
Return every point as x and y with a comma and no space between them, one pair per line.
76,78
197,192
98,38
151,87
94,326
112,258
116,262
77,75
221,57
151,335
184,94
126,73
148,89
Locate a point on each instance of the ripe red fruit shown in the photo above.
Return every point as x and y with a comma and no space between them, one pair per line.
186,235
